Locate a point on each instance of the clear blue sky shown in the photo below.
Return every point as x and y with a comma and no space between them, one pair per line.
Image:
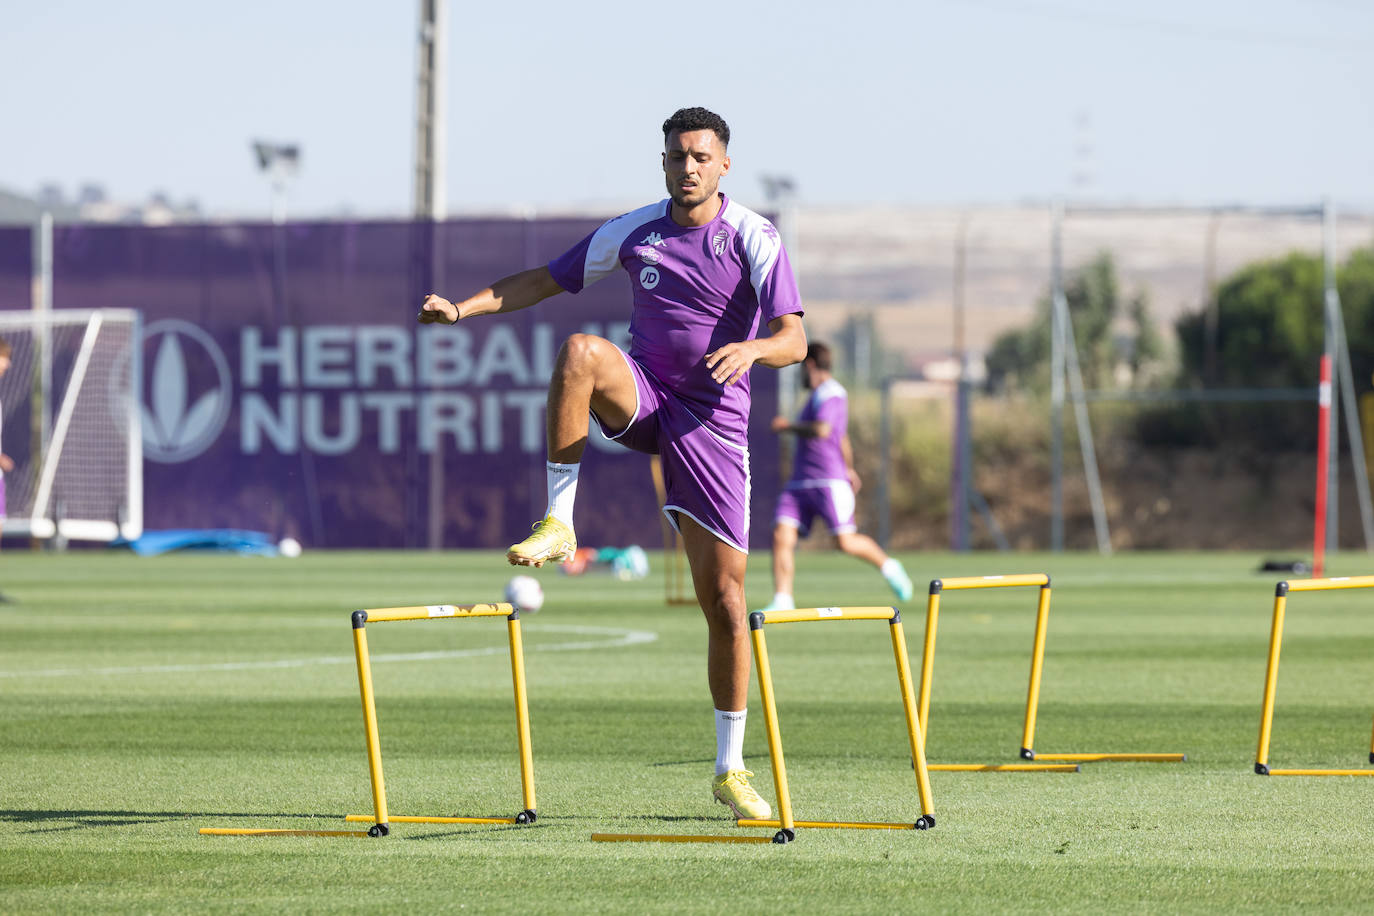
556,104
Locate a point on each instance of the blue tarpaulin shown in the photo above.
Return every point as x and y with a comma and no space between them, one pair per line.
222,540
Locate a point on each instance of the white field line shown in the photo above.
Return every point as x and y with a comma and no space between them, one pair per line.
615,638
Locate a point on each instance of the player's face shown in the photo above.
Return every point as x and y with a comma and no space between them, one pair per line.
693,162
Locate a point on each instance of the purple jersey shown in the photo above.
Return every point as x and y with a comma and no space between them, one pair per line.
819,458
696,288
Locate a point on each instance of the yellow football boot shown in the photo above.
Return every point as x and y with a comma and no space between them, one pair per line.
550,541
732,789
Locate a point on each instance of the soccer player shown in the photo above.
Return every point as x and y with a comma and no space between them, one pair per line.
706,273
823,483
6,462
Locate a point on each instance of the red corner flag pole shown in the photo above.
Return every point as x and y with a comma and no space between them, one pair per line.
1323,430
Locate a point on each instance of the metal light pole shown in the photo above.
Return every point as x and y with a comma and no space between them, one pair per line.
431,207
429,111
1056,380
1331,310
962,466
279,162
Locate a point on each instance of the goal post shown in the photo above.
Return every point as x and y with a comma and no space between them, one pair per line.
71,424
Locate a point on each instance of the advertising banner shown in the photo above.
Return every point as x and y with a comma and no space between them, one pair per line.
288,388
16,267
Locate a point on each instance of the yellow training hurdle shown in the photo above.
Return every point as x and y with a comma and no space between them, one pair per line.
1068,761
786,823
381,819
1271,674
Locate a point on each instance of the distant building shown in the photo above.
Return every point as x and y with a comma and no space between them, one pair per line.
92,204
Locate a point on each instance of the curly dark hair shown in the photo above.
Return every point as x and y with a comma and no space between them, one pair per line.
819,354
697,119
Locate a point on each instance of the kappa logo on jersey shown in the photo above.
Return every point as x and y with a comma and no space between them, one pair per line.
649,255
722,238
770,230
653,238
648,277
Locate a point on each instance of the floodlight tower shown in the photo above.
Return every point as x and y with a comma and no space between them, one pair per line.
429,111
279,162
430,205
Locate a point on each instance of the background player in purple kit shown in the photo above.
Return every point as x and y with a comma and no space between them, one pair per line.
6,462
823,483
706,273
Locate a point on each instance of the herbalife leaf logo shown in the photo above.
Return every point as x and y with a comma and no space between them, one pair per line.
188,395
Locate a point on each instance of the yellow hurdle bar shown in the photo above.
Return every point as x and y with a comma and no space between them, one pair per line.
1320,773
380,819
1332,584
374,743
1126,758
437,611
845,825
785,821
1003,767
1039,579
679,838
811,614
436,819
1042,617
264,831
1271,672
522,714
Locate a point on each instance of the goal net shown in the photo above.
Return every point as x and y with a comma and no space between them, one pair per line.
71,424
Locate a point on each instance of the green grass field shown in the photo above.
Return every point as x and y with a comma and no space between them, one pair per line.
146,698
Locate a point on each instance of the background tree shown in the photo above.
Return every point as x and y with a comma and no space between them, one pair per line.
1112,333
1269,330
1270,333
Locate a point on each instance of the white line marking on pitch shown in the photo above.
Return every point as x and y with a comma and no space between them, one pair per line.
620,638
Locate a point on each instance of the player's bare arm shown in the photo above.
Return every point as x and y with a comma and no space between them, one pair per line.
785,346
6,463
847,451
510,294
813,429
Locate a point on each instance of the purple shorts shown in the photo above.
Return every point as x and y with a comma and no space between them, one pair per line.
706,477
831,500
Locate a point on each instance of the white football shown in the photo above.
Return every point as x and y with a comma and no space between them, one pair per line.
289,547
525,593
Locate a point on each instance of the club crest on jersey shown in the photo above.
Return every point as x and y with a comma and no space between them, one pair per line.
649,255
653,238
722,238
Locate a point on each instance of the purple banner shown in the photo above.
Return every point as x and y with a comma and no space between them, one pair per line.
289,389
16,268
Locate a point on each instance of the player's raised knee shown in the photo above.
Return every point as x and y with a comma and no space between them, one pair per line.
582,352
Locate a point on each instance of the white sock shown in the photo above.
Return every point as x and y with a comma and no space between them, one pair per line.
729,740
783,601
562,491
890,568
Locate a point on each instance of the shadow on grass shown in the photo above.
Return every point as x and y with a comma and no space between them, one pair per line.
55,821
474,831
702,760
